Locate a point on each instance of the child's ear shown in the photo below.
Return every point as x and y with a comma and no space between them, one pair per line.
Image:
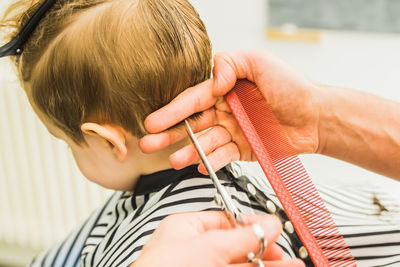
112,136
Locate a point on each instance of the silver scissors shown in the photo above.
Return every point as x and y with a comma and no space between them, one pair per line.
222,197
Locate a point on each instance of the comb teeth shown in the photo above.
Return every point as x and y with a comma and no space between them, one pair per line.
287,176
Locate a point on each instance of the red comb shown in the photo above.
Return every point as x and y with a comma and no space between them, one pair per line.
288,178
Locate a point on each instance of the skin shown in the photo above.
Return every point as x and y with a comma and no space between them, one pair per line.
353,126
179,241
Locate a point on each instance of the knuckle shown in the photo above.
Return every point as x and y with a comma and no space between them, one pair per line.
193,155
234,151
209,114
223,133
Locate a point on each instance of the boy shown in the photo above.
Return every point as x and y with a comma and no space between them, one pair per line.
93,70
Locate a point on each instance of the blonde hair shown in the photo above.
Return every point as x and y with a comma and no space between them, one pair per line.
111,62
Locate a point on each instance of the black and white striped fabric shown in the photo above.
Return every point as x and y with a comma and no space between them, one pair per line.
368,215
115,233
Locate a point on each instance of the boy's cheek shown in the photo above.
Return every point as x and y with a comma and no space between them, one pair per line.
88,166
104,173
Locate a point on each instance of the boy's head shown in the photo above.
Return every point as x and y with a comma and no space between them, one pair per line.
98,63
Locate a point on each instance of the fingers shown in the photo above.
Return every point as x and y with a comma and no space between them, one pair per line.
215,220
209,141
221,157
230,66
273,252
193,100
291,263
235,244
198,222
155,142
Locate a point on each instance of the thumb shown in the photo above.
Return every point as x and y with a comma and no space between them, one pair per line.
230,66
235,244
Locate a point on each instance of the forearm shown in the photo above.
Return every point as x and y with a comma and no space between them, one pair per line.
360,128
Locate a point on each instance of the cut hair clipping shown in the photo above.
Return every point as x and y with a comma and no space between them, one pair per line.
15,46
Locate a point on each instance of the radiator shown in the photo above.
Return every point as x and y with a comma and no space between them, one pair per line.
42,193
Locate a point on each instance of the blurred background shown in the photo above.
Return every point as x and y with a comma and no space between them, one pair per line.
347,43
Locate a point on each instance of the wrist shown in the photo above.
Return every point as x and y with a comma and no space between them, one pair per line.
322,96
338,124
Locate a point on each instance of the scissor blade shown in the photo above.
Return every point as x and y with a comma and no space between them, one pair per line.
201,152
227,200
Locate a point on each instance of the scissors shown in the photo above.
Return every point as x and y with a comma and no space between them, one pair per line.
224,199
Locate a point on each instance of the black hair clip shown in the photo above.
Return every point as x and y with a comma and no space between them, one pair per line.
15,46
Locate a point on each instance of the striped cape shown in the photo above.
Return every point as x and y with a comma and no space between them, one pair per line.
115,233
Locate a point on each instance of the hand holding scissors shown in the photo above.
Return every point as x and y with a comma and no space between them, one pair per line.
222,197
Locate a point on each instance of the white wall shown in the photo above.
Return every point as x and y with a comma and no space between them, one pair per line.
234,24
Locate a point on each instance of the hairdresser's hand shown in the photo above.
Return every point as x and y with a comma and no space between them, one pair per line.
291,96
207,239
